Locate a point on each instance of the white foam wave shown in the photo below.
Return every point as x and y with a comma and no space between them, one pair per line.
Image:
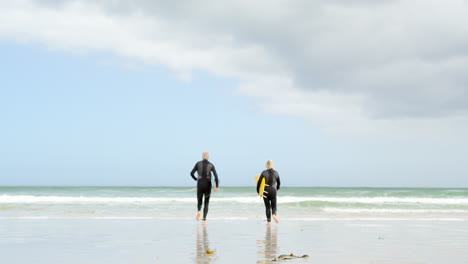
376,200
27,199
392,211
31,199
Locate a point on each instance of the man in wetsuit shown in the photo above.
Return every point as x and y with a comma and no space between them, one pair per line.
272,184
204,169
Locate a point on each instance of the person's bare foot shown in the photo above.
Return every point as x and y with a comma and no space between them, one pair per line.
198,216
268,223
276,218
204,222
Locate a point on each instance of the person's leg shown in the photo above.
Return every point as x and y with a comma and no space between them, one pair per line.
273,208
200,199
267,208
207,202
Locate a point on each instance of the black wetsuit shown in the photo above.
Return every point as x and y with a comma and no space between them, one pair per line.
272,179
204,169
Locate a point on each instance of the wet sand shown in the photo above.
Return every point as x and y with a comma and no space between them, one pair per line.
242,241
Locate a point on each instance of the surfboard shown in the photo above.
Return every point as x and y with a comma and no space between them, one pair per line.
262,185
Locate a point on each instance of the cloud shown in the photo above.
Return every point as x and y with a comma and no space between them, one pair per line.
372,65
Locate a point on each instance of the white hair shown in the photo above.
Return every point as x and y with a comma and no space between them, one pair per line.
270,164
205,155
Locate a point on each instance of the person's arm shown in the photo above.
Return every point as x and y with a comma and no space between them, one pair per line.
259,182
192,173
278,181
216,177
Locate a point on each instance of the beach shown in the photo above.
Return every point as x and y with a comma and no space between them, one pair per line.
242,241
115,225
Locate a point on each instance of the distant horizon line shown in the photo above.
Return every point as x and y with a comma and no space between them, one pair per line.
229,186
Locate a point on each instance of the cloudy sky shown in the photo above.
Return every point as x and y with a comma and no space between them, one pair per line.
336,92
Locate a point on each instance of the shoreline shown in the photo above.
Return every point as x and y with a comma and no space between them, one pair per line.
228,219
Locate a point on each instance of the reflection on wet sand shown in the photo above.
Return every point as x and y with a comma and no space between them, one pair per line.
268,248
204,253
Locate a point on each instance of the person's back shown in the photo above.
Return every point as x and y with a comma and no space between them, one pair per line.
271,179
204,169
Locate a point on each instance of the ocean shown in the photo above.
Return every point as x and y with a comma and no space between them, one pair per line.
233,203
157,225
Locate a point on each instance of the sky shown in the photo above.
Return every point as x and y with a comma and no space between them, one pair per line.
337,93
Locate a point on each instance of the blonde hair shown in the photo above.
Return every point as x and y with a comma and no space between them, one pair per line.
270,164
205,155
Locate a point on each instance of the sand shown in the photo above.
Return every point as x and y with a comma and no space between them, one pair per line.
231,241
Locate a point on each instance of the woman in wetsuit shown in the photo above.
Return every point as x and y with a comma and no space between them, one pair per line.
272,185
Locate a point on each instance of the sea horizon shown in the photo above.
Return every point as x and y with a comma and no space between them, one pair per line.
241,186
